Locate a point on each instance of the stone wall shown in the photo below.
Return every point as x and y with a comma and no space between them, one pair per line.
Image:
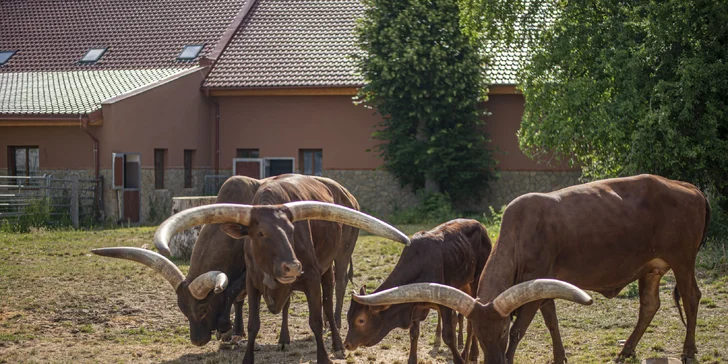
380,194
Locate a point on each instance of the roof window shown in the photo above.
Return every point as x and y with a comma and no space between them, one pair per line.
5,56
93,55
190,52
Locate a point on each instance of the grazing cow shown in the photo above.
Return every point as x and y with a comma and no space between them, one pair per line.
598,236
285,251
454,254
216,251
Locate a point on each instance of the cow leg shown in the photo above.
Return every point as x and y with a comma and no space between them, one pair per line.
449,322
470,352
340,278
649,287
253,322
327,285
524,316
414,338
315,317
238,326
438,331
460,330
548,311
687,286
285,338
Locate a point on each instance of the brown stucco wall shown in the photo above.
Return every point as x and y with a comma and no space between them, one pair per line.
65,147
502,125
281,125
174,116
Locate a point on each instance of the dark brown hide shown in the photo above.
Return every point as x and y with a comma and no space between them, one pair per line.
314,244
453,254
599,236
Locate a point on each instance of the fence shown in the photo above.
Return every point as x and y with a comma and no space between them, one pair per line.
213,182
56,200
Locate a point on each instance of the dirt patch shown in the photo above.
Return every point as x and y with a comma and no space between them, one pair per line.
76,307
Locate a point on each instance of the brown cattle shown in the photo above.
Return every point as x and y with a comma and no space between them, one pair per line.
599,236
216,251
453,254
286,251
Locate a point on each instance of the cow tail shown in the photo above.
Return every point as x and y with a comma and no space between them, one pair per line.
350,273
676,297
707,222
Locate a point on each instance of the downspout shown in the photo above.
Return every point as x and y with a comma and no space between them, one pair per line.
84,126
217,137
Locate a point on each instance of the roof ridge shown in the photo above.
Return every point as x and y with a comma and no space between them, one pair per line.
227,36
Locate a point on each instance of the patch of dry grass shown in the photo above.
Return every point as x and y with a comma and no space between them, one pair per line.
59,303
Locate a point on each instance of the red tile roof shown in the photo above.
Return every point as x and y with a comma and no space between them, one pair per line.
292,43
53,35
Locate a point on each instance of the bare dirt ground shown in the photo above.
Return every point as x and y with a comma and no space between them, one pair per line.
59,303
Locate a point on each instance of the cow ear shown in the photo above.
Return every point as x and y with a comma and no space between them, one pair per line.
377,309
363,290
235,231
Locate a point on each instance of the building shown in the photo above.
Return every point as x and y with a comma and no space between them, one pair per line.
154,96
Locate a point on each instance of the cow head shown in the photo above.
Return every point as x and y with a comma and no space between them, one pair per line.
270,228
490,319
368,325
200,300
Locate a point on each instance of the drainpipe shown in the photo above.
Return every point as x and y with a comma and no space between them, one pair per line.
84,124
217,137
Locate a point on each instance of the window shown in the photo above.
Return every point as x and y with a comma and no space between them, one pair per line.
311,161
189,155
159,157
277,166
93,55
5,56
23,161
190,52
247,153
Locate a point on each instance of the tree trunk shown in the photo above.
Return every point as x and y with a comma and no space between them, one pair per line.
182,244
431,184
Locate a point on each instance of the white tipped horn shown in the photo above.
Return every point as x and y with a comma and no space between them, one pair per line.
315,210
149,258
538,289
421,292
202,285
208,214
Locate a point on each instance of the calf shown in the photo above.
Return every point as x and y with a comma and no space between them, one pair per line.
453,254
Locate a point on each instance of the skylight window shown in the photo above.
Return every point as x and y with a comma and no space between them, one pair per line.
93,55
190,52
5,56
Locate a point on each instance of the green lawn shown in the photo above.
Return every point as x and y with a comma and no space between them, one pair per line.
59,303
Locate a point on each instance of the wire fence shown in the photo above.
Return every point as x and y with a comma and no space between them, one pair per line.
47,200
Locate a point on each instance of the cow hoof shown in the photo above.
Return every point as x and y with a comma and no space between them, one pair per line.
339,354
282,348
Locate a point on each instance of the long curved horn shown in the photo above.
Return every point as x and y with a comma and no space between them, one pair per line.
202,285
209,214
149,258
538,289
421,292
315,210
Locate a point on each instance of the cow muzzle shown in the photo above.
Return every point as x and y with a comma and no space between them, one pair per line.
289,272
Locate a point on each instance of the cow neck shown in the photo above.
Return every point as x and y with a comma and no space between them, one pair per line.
500,272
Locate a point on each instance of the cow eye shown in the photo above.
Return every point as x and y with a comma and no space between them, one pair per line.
260,235
360,321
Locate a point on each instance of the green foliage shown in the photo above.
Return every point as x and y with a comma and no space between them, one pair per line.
426,77
36,216
625,88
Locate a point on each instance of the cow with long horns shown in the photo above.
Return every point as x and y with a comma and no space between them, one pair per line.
453,253
286,251
215,250
599,236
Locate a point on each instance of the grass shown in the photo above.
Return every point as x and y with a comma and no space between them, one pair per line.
59,303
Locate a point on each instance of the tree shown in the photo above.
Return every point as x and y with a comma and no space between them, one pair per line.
425,76
621,88
629,87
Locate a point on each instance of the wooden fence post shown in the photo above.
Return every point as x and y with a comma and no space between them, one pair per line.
74,201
